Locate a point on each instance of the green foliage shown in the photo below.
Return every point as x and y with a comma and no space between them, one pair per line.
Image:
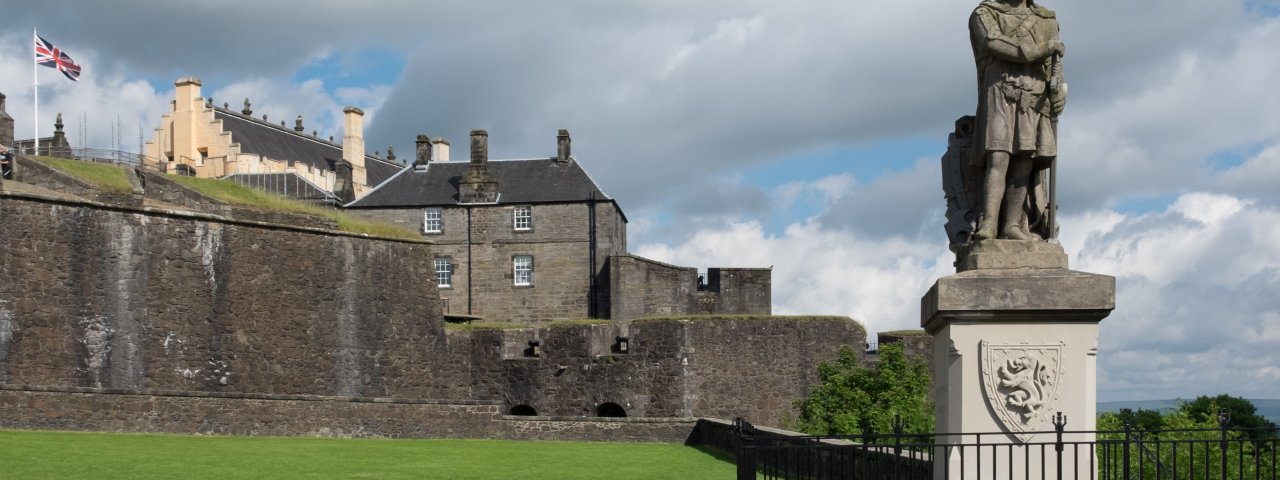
851,398
108,456
1194,425
105,176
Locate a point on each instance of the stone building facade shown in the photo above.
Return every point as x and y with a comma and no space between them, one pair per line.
535,240
203,139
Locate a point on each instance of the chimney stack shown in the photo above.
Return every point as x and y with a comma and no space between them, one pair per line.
478,185
440,149
479,147
562,146
423,150
187,108
353,146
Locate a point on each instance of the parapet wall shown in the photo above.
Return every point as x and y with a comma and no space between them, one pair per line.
640,287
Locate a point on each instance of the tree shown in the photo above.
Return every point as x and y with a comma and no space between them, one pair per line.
1188,440
1242,413
852,398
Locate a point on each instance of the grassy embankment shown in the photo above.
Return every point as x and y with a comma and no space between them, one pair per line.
113,178
36,455
238,194
108,177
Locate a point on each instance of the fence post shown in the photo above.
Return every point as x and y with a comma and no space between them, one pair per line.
1128,438
746,462
1059,424
897,435
1224,419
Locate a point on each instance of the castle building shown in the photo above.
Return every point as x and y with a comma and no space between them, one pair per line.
202,139
537,239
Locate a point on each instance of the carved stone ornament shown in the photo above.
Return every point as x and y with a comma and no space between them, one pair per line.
1021,382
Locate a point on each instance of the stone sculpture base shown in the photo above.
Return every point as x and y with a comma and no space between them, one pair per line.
1005,254
1012,347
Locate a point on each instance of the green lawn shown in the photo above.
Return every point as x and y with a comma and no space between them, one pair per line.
35,455
108,177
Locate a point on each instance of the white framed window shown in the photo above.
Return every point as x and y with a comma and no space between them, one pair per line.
433,220
523,217
444,272
522,266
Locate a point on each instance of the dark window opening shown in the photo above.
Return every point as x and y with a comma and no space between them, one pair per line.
524,411
610,410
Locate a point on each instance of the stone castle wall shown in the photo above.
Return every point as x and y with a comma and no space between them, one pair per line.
640,287
102,307
722,367
94,296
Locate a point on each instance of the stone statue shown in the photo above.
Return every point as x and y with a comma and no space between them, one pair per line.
1020,95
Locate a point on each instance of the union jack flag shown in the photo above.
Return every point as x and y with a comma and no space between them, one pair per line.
50,56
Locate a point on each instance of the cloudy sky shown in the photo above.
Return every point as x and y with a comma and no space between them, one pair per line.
799,134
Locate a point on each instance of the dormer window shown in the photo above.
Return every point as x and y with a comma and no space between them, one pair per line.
523,217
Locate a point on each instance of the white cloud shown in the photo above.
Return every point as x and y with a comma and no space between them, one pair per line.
818,271
1195,298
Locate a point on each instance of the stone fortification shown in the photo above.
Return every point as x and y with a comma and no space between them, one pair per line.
141,319
95,296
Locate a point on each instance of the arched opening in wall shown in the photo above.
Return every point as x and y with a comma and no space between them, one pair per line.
523,411
610,410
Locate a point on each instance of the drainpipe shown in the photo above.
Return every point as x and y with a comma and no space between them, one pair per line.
469,288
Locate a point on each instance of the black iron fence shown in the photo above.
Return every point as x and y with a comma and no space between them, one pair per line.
1220,453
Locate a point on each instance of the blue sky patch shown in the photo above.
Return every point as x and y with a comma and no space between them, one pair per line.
354,68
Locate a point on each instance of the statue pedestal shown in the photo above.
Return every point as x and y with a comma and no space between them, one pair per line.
1013,347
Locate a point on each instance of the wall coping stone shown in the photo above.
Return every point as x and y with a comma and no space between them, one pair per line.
164,212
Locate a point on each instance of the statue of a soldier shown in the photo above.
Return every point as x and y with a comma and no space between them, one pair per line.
1020,94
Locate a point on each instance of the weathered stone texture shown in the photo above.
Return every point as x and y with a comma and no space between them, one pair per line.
722,367
231,414
99,297
640,287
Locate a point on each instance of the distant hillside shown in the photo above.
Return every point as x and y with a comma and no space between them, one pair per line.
1267,408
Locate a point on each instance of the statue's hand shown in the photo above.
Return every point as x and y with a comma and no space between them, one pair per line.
1058,48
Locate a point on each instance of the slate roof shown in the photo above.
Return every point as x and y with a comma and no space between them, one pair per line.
541,180
279,143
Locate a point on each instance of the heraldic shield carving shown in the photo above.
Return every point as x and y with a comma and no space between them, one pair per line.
1021,383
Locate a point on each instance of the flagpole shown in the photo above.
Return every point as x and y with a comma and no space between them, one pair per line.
35,81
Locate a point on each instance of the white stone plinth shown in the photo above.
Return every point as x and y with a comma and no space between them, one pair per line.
1012,348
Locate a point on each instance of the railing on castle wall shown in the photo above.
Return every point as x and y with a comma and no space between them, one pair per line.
1221,453
292,186
97,155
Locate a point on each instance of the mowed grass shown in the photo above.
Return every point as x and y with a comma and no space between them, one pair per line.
236,193
108,177
37,455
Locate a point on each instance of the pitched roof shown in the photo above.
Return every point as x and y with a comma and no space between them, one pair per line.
279,143
541,180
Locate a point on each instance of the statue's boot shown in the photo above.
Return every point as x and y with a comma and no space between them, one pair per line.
1014,215
993,190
